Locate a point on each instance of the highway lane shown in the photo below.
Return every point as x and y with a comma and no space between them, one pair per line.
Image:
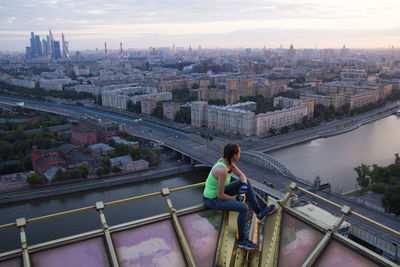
206,152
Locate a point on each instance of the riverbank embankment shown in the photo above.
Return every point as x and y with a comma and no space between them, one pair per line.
94,184
346,127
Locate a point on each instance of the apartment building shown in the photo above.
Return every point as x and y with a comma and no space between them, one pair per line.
340,93
278,119
119,98
239,119
170,109
148,105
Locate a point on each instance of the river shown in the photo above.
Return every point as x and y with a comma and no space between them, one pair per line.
67,225
334,158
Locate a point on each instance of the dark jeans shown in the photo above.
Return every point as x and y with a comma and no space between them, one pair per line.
232,189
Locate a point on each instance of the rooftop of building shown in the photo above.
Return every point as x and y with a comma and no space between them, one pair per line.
82,129
45,160
101,146
230,109
297,234
124,159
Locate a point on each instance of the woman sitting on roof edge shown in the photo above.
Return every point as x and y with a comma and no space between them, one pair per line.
222,194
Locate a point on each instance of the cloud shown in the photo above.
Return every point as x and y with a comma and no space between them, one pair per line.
182,19
95,11
10,19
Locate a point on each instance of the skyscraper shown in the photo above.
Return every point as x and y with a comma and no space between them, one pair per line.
35,49
48,46
33,44
57,50
64,47
38,46
52,50
45,47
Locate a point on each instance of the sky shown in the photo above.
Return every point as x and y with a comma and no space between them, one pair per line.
140,24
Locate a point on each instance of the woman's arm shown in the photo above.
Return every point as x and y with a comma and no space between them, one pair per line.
239,173
221,175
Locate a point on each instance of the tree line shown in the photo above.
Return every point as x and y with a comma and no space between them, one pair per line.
40,93
383,180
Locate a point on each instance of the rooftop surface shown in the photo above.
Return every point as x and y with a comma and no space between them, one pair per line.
295,235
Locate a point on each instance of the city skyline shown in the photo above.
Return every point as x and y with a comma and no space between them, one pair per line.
223,24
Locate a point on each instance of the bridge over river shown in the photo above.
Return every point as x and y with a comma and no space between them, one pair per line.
255,165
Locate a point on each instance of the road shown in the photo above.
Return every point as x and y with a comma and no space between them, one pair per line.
209,151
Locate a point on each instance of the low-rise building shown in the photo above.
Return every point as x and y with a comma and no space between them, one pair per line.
128,165
137,165
82,135
14,181
101,148
44,159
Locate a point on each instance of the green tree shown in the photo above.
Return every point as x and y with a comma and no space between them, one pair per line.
292,93
121,150
346,108
11,168
391,200
284,129
363,178
158,111
116,169
128,137
217,102
135,154
59,176
99,100
105,161
182,96
75,173
184,115
106,169
111,142
379,188
271,131
84,170
35,179
136,108
99,172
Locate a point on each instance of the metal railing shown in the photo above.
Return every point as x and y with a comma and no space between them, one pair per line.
269,162
261,189
25,250
386,246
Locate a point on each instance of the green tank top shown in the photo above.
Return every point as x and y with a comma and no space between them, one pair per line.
211,188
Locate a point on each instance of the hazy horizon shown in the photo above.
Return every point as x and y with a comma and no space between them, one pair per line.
209,24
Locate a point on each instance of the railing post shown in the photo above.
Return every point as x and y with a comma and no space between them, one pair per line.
106,230
21,223
290,192
179,231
